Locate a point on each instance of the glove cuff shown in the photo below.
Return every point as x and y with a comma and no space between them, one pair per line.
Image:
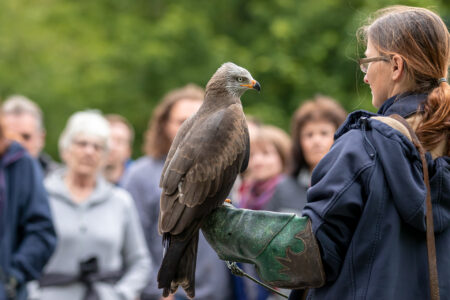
281,246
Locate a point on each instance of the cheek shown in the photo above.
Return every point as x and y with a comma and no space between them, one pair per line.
171,131
71,159
306,145
124,152
327,142
373,75
256,158
67,154
277,164
273,162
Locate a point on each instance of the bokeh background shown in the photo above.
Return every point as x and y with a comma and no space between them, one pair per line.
122,56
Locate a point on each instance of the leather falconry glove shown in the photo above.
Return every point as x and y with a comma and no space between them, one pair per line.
280,245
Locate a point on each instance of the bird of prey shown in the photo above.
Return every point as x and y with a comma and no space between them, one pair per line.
210,149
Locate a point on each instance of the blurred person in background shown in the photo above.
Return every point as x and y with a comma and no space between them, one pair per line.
312,132
142,181
101,250
119,156
23,122
27,235
253,125
269,162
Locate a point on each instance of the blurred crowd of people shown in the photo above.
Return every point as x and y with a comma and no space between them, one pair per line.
86,228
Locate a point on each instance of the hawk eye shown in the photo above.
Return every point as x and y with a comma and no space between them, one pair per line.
240,79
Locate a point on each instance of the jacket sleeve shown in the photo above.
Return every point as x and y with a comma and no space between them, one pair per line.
336,197
135,255
38,238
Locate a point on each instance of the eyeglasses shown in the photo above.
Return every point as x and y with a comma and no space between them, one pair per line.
364,62
26,136
84,144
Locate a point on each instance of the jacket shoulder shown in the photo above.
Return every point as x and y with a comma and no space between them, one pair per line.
397,125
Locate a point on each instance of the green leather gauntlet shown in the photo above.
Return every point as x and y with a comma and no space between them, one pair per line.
281,246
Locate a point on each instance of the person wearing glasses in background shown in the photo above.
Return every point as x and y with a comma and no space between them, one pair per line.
27,234
101,252
23,122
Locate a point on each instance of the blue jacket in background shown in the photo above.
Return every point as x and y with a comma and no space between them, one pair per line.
367,206
27,235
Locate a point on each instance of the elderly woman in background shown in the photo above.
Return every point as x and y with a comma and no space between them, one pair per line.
101,253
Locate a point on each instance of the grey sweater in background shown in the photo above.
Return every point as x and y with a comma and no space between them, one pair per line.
105,226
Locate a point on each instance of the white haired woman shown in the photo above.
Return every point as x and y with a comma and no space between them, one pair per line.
101,252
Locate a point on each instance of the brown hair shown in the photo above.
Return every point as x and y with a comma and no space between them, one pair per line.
320,108
157,142
267,134
421,38
118,119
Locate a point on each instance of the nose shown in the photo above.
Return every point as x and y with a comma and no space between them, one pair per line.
365,79
317,140
90,149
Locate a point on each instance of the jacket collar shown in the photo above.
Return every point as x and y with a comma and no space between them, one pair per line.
13,153
404,105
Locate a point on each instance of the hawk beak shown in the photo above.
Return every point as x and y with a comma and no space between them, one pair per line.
254,85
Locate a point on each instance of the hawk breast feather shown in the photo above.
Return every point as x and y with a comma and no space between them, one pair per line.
207,148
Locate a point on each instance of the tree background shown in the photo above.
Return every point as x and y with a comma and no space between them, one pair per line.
123,56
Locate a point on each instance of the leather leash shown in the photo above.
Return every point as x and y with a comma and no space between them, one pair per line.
431,246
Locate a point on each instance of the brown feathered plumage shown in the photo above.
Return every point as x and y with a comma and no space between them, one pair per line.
208,152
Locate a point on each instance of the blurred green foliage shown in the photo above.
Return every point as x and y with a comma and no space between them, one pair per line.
123,56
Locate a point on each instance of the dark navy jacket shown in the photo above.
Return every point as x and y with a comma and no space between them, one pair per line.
367,206
27,236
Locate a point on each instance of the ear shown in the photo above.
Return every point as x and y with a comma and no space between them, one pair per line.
397,67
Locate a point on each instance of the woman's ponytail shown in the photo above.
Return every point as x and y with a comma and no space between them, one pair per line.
435,124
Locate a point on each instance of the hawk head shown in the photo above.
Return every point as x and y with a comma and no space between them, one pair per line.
235,79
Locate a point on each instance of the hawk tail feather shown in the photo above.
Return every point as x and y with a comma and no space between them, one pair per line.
178,266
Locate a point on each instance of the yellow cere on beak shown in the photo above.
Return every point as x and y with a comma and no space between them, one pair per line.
250,86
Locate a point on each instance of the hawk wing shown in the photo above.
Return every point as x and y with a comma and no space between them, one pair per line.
206,160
